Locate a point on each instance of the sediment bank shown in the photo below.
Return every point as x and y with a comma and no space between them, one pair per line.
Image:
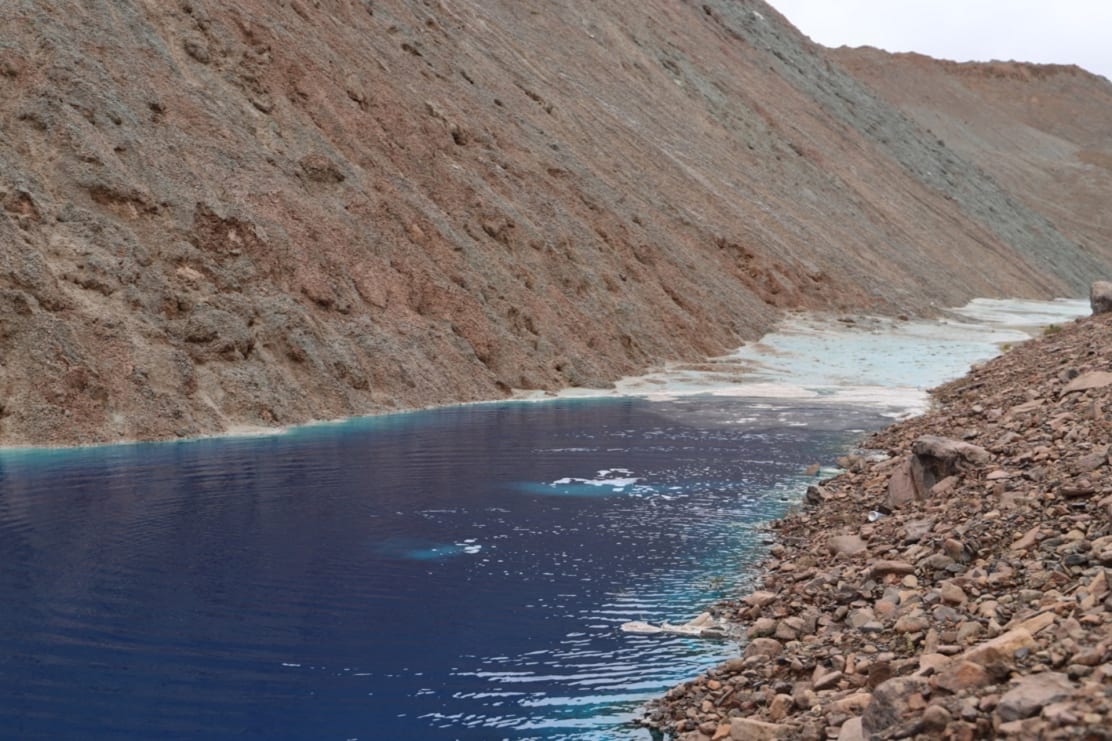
953,584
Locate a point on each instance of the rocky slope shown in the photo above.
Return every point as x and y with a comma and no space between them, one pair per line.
973,603
1035,129
260,213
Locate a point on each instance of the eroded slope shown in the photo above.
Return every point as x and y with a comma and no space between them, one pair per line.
262,213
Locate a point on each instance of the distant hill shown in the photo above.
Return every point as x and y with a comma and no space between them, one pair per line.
260,213
1044,132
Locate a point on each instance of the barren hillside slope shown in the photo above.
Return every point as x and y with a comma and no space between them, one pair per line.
1044,132
265,212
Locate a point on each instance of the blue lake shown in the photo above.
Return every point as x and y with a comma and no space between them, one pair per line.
459,573
451,574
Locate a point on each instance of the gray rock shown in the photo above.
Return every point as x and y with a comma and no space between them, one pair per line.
1100,297
1088,381
936,458
860,618
1031,694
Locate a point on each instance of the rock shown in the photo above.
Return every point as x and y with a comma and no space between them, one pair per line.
962,675
1031,693
786,631
762,628
766,647
779,707
747,729
1027,540
889,704
759,599
851,731
318,168
1088,381
912,624
846,545
932,662
1014,562
860,618
935,458
883,568
1000,650
916,530
968,631
951,592
733,666
935,718
901,487
828,680
955,550
1100,297
1037,623
851,704
214,333
1091,461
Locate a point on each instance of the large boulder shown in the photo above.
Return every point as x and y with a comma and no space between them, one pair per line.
933,459
1100,297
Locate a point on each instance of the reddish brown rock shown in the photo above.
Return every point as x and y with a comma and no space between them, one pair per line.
962,675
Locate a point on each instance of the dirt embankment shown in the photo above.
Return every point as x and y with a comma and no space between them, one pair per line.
974,602
261,213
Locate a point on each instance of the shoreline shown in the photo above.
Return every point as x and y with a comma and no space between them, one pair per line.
738,373
958,587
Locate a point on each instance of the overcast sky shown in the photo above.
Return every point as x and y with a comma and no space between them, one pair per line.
1061,31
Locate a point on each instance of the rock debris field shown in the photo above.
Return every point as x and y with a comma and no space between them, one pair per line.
952,583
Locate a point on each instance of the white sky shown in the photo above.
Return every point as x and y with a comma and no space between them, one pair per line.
1060,31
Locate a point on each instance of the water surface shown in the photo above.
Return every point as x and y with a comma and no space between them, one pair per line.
451,574
458,573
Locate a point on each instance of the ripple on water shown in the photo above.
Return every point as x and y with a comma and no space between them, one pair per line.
453,574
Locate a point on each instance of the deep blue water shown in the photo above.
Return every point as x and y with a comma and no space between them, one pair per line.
412,576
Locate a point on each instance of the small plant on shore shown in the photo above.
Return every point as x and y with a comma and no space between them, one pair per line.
1052,329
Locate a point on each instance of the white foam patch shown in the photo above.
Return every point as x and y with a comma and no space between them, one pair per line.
615,478
876,362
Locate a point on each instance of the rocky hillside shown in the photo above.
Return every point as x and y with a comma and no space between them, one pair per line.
953,584
260,213
1044,132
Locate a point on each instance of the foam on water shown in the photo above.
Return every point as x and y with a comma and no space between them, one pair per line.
880,362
